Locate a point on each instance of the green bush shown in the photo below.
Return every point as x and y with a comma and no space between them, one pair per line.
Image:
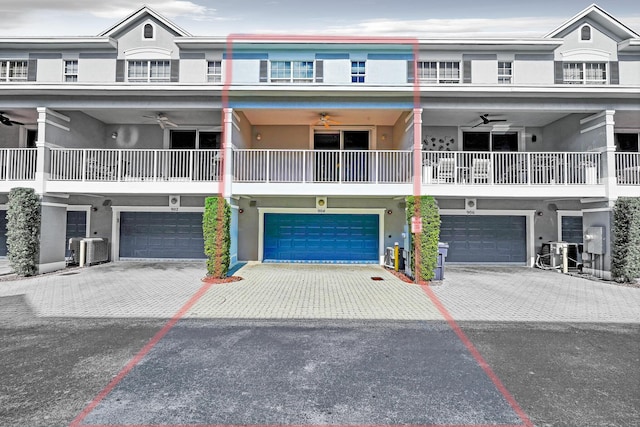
625,255
425,248
23,231
216,224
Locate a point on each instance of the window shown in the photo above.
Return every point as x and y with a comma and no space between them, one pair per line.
439,71
149,71
585,73
214,71
585,33
195,139
490,141
626,142
13,71
292,71
357,71
147,32
71,70
505,72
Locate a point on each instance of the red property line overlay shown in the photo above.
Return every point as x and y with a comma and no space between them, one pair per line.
417,148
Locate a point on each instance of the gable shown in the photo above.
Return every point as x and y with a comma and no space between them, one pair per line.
143,14
602,45
598,16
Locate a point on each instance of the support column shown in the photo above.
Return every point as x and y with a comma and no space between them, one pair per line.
417,151
41,153
610,179
227,178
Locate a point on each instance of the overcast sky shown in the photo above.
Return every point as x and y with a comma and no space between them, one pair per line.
508,18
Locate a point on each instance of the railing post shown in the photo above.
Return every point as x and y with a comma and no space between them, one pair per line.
304,167
529,167
376,171
565,165
155,165
119,165
267,164
84,165
9,164
191,165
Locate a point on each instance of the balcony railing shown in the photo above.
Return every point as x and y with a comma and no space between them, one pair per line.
318,166
628,168
18,164
507,168
135,165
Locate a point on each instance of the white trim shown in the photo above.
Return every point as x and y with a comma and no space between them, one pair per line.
529,214
341,211
49,122
561,214
54,205
593,117
87,211
115,221
590,128
153,30
57,115
590,39
608,209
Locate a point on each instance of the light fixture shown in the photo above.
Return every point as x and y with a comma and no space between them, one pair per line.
114,135
258,136
389,211
384,137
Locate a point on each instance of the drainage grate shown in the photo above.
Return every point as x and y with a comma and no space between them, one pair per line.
377,278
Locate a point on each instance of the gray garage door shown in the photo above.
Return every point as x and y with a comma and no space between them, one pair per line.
490,239
176,235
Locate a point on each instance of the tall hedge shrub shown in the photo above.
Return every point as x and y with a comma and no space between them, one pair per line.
216,224
23,231
425,247
625,255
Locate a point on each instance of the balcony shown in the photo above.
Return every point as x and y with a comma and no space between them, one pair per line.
134,171
628,168
17,167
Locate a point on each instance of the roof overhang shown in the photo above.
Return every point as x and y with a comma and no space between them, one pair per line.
629,46
53,43
599,16
144,10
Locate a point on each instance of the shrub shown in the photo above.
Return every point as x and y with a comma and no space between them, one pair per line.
216,224
625,255
23,231
425,248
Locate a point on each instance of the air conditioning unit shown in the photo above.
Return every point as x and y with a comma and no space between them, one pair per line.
174,201
321,203
97,250
74,249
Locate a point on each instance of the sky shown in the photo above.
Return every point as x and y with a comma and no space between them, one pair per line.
459,18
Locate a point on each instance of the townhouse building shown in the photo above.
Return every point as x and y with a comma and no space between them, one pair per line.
316,141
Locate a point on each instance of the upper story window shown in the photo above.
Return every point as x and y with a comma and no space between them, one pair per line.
149,71
13,71
214,71
505,72
195,140
585,33
147,32
71,70
291,72
439,71
358,71
585,73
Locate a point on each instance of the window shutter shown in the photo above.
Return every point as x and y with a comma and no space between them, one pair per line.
32,70
175,70
559,73
319,71
263,72
466,71
614,73
120,70
410,72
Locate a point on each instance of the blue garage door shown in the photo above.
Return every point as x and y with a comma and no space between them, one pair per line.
76,227
176,235
321,238
3,233
490,239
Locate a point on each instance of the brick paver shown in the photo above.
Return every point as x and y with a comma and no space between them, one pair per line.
532,295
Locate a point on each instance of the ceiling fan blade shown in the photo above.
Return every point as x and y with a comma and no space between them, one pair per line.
13,122
325,124
497,120
477,125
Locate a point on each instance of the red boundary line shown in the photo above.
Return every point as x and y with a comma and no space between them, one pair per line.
417,148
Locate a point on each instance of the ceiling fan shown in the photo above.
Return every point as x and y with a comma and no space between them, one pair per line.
326,121
162,120
486,120
7,121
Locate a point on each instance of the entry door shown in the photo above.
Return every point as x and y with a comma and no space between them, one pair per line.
326,156
356,157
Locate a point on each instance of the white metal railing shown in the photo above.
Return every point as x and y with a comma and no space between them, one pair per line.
70,164
324,166
18,164
507,168
628,168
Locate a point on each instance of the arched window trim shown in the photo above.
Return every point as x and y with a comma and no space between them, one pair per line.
153,31
582,39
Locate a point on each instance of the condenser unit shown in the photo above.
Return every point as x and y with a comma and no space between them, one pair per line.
97,250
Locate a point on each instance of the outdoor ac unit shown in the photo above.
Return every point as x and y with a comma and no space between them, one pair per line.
174,201
74,249
97,250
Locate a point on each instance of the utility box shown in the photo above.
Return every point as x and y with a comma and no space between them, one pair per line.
594,240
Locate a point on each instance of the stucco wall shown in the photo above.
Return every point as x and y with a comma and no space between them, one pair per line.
281,137
85,132
564,135
134,137
9,136
52,234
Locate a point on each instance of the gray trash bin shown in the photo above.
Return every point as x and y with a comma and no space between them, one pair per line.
443,249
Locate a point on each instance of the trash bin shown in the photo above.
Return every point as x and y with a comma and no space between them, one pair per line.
443,249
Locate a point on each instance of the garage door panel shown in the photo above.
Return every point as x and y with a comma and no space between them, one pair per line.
176,235
321,237
491,239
